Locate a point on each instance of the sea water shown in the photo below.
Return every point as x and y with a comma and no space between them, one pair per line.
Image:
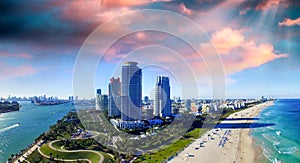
19,129
280,142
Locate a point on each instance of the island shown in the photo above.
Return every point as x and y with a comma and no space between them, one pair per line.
7,106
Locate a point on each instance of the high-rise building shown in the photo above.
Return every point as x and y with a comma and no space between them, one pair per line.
101,101
146,99
162,102
114,97
188,104
99,91
98,99
131,92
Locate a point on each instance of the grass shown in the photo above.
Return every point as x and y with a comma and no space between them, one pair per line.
35,156
196,133
107,158
45,149
164,153
57,145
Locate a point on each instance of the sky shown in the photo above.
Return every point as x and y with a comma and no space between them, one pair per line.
253,45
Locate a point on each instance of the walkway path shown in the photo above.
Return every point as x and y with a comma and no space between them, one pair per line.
28,152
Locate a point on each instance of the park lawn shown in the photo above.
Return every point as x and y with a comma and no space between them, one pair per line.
164,153
45,149
196,133
107,158
57,145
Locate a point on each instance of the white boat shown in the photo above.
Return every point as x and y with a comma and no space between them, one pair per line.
278,133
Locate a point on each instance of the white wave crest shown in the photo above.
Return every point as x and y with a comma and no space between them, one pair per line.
9,127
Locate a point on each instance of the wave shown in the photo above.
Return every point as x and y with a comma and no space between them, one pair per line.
270,127
266,113
268,153
9,127
286,150
271,138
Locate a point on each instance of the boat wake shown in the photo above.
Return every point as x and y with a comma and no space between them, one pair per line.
9,127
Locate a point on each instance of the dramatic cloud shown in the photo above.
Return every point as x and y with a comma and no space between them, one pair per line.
289,22
227,39
269,4
130,3
239,54
245,10
251,56
183,9
38,36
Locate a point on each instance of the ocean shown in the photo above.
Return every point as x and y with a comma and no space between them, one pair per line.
281,142
19,129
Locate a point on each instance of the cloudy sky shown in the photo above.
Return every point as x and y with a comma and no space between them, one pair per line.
258,43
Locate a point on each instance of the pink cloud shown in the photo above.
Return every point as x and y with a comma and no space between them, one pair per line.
227,39
237,52
251,56
270,4
289,22
183,9
99,11
128,3
8,71
92,10
244,11
131,42
15,55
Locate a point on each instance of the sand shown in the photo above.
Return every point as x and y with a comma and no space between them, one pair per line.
239,146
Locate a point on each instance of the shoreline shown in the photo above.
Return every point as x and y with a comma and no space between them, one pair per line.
230,143
246,141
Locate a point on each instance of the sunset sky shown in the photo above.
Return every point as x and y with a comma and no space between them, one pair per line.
258,42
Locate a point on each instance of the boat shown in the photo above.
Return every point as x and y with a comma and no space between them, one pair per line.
278,133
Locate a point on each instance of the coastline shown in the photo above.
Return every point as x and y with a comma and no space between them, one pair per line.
238,145
255,152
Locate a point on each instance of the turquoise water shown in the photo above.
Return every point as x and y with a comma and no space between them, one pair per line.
280,142
33,120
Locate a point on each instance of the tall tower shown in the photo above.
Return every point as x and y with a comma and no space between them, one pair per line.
162,102
98,99
101,101
114,97
131,92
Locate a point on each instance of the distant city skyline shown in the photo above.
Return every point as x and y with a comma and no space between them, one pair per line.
258,42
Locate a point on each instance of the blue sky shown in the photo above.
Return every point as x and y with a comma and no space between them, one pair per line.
258,42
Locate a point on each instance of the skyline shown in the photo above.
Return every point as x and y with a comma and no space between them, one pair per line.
258,43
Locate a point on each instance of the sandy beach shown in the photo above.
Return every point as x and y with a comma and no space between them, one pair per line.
229,143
